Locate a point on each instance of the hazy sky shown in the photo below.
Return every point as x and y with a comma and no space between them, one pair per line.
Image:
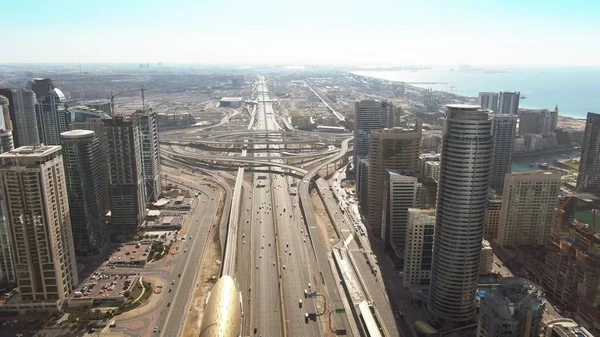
366,32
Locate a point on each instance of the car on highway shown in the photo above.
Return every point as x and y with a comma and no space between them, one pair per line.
256,266
284,267
173,282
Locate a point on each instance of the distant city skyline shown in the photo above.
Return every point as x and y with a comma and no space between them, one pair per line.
333,32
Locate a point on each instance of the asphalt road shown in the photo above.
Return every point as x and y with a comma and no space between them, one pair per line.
186,264
293,246
265,312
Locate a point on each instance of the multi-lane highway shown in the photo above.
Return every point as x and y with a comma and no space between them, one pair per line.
265,313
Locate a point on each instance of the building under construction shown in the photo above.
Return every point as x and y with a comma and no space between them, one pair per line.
166,120
515,308
570,273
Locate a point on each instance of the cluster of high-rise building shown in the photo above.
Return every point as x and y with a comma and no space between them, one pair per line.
438,238
64,169
537,129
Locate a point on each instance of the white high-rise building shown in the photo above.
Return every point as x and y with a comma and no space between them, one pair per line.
465,169
508,102
489,101
529,204
504,131
369,115
52,117
34,187
26,125
400,194
419,247
150,153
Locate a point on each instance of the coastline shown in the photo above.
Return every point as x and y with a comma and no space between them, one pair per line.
361,73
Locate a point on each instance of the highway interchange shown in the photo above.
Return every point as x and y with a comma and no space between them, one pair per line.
275,250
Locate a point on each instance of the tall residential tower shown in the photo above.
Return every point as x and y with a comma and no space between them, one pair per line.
508,102
465,169
589,165
33,184
395,149
369,115
22,112
489,101
127,192
82,162
504,131
150,153
529,204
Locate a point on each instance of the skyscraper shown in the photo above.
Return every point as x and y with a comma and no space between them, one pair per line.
7,269
23,118
369,115
5,122
466,161
395,149
589,165
33,184
489,101
41,86
81,157
400,194
508,102
504,131
97,125
536,122
127,192
419,247
150,153
52,118
8,109
514,309
528,208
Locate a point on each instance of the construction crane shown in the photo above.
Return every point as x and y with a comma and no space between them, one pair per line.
112,99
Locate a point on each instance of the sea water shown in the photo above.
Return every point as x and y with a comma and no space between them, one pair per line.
574,90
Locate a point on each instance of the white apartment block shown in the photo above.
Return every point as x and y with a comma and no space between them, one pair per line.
528,212
34,186
401,195
150,153
419,247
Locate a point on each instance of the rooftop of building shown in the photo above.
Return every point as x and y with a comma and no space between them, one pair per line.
232,99
512,293
465,107
31,151
130,254
102,285
568,328
75,134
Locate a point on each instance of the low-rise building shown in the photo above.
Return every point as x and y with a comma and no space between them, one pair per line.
231,102
133,255
103,289
565,327
302,122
